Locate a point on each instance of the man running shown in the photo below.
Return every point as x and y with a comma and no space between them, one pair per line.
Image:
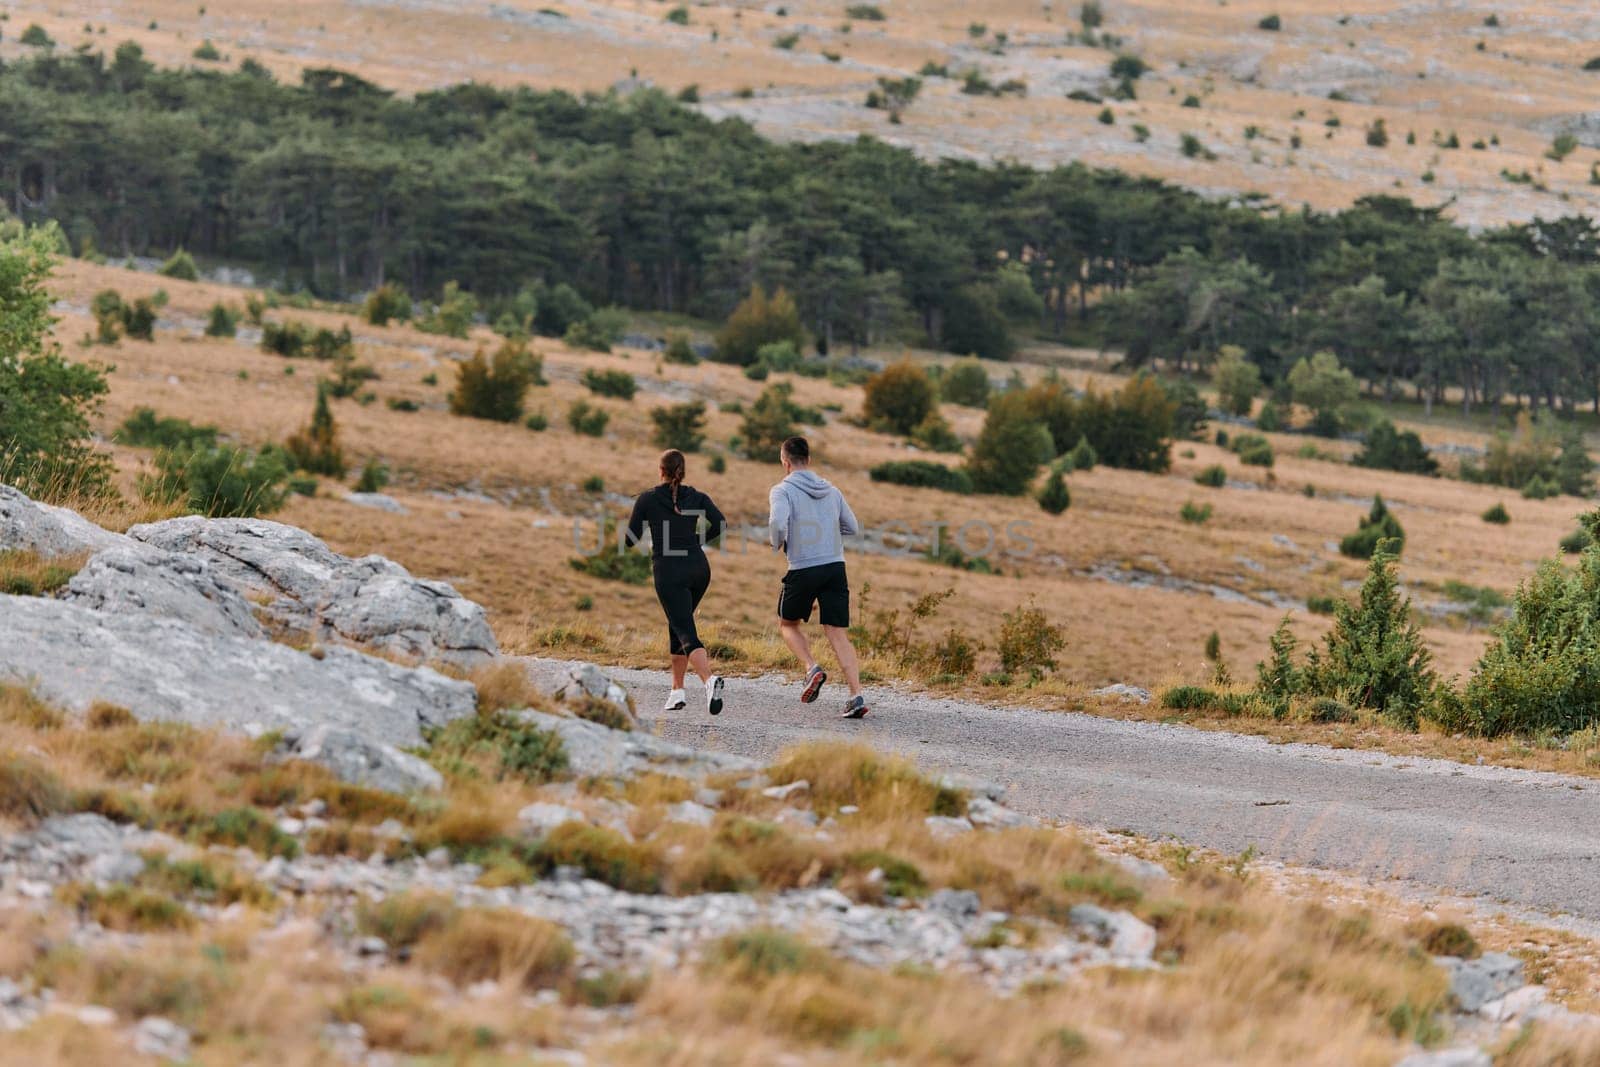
809,519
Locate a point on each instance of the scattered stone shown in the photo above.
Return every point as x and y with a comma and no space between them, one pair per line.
947,825
1127,936
597,751
95,1015
693,814
438,858
711,798
1450,1057
372,946
136,580
358,759
972,786
804,818
540,818
370,601
377,501
784,792
1475,983
957,904
1123,691
981,811
168,671
161,1038
1142,869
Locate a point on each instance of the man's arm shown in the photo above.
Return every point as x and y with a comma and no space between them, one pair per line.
777,516
847,518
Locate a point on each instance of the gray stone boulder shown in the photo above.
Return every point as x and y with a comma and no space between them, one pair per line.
585,682
138,580
596,751
1126,936
161,669
1474,983
356,758
309,588
26,525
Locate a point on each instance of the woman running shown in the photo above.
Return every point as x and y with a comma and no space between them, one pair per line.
673,511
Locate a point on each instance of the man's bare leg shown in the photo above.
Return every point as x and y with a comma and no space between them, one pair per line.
795,638
839,638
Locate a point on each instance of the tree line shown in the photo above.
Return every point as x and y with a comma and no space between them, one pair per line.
337,186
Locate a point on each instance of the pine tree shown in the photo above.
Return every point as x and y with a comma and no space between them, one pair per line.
1279,680
1379,526
1574,468
316,449
1055,497
1083,456
1374,656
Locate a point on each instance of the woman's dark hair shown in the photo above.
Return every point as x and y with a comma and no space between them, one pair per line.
672,469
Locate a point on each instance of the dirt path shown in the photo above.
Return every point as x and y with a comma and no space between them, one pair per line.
1528,838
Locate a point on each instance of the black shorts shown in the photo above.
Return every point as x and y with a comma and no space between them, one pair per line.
826,586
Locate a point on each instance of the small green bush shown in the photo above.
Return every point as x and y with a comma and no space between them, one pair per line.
385,304
613,383
219,481
1271,23
1576,541
678,16
1498,515
1029,642
495,389
374,477
36,37
1195,515
1082,457
1386,448
207,53
923,473
587,419
223,321
1055,498
1378,526
680,350
1212,477
144,429
680,426
613,562
965,382
180,265
315,448
453,315
899,397
1190,698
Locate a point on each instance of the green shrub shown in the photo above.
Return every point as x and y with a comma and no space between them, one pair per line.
1319,604
758,372
1195,514
374,477
680,426
935,435
1279,679
495,388
604,855
512,747
538,422
613,383
587,419
1253,450
1271,418
1374,656
1055,497
1013,444
1378,526
1213,477
1394,450
453,315
207,53
974,323
1271,23
1190,698
678,16
865,12
1237,380
769,422
1029,642
36,37
758,321
223,321
180,265
1082,457
1498,515
612,561
1576,541
315,448
923,473
718,464
680,350
287,339
965,382
144,429
899,397
598,331
218,481
385,304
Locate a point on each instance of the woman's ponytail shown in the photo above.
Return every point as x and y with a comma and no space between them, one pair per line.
672,471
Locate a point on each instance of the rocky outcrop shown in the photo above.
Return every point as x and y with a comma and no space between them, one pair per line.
596,751
357,758
138,580
584,682
27,525
157,668
309,588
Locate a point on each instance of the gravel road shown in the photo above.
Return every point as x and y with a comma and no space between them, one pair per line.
1526,838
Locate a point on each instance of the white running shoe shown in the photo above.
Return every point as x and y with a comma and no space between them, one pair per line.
714,695
676,701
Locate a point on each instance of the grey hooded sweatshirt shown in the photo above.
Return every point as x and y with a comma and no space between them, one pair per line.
809,519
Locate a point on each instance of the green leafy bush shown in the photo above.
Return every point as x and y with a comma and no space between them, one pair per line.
975,325
1498,515
223,321
374,477
1237,380
769,422
1213,477
759,320
315,448
144,429
1279,679
1271,23
1379,525
1029,642
1055,497
680,350
453,315
965,382
1576,541
923,473
613,562
587,419
1253,450
613,383
680,426
180,265
385,304
1013,444
1190,698
1395,450
495,389
899,397
219,481
1195,514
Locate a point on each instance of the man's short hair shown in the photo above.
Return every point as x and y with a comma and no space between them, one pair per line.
797,450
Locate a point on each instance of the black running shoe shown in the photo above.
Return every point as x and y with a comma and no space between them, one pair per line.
714,695
813,687
856,709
